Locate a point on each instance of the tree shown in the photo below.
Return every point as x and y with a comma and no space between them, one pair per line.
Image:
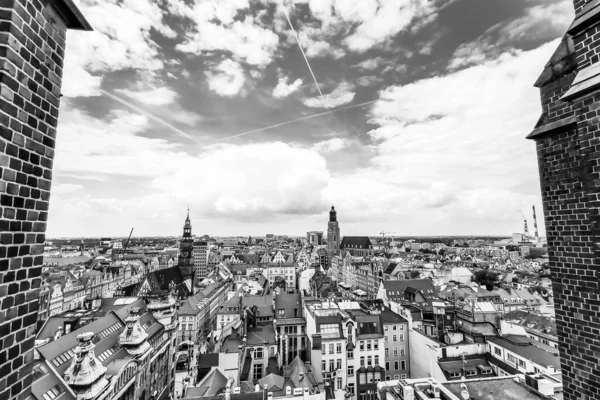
486,278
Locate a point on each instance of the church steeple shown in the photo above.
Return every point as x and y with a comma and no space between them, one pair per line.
187,227
332,215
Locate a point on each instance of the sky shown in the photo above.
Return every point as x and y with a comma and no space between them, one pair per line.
409,116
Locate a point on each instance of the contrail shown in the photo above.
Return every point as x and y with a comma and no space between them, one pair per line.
366,103
302,50
147,114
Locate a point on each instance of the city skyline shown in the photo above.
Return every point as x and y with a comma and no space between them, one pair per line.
177,119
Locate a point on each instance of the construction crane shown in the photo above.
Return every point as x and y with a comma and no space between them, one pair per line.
126,244
128,239
383,234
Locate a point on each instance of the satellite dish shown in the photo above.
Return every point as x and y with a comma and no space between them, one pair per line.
465,395
463,387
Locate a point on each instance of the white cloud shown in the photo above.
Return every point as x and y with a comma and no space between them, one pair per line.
370,63
540,23
341,95
158,96
65,188
227,79
120,40
216,30
283,89
391,17
368,80
457,160
331,145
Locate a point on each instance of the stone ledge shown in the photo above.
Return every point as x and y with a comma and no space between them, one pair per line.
553,127
72,17
589,15
586,81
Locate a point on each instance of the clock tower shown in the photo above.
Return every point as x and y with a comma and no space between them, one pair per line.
333,235
186,260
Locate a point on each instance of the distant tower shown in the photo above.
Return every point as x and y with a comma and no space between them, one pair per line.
186,260
537,238
333,234
249,240
526,229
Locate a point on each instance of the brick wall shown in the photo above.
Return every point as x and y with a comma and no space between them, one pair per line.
569,168
32,43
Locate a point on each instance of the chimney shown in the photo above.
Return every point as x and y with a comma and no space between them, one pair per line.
535,227
525,228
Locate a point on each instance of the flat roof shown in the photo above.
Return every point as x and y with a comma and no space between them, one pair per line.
504,388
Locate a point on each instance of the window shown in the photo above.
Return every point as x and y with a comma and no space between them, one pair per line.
497,351
395,351
339,364
362,378
403,364
394,338
396,365
329,331
377,377
376,344
401,337
520,363
331,365
385,339
403,376
401,327
323,366
258,353
396,377
53,393
511,358
387,378
339,348
385,328
281,313
369,361
470,373
387,365
350,354
395,327
376,360
323,349
402,350
330,348
368,345
350,370
362,361
339,383
257,371
369,377
387,351
351,388
361,345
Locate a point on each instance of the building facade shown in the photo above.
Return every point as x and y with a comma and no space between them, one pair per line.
200,253
565,137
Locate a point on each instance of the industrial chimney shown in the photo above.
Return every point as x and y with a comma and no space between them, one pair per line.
526,229
535,225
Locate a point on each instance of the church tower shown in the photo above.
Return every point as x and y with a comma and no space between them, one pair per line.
333,234
186,247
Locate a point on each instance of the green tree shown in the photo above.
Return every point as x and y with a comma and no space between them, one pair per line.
486,278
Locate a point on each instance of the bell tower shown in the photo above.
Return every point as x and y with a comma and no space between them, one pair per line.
186,247
333,234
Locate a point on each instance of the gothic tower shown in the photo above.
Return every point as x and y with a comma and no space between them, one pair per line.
333,234
186,247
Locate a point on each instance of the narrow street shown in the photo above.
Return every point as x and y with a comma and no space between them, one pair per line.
181,376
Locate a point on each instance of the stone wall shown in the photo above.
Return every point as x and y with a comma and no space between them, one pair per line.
32,46
568,149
